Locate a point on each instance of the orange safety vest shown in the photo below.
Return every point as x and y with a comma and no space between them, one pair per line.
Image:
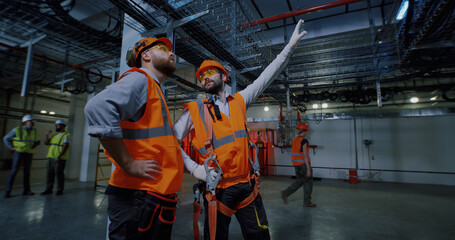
151,138
297,155
229,140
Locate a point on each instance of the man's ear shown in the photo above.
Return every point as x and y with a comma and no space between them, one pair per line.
145,56
224,78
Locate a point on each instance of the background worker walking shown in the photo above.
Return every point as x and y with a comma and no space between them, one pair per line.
301,161
220,132
24,139
131,120
57,155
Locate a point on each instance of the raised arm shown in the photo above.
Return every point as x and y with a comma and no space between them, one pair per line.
271,72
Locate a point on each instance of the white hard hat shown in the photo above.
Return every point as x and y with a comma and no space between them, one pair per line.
27,117
60,122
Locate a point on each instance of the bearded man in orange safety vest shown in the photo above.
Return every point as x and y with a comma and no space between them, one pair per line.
301,161
131,120
220,133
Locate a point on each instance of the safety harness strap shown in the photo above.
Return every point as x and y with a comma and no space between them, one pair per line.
209,122
196,212
214,205
212,202
225,209
245,202
235,178
252,196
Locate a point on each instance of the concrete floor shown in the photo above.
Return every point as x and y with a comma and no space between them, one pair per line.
345,211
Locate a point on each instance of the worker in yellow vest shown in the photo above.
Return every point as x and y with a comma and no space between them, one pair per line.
24,140
220,133
57,155
301,161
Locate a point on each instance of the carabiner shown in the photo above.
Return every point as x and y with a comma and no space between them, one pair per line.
211,184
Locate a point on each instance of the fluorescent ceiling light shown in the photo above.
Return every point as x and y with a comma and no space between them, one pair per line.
43,111
414,100
315,105
52,113
325,105
434,98
403,10
266,109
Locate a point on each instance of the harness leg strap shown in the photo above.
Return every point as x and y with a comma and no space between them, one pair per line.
196,212
211,199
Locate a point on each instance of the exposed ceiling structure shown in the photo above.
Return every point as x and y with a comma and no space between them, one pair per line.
353,49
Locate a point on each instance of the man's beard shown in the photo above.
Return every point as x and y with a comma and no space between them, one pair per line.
216,87
164,65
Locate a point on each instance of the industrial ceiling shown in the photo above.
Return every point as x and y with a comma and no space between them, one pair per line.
355,51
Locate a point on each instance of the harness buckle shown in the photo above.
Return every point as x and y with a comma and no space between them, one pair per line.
197,191
255,165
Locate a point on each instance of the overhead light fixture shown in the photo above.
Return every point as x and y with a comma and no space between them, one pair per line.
414,100
266,109
43,111
403,10
434,98
315,105
52,113
325,105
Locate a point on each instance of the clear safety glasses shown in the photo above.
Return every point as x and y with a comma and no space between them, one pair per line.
207,73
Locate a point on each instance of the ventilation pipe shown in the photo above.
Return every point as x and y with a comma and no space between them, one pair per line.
299,12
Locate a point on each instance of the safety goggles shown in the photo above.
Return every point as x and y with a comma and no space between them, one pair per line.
207,73
160,47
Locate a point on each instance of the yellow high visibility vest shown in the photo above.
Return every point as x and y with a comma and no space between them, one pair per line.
25,140
57,146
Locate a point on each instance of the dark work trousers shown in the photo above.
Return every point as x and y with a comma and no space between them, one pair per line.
55,169
247,217
137,214
26,158
302,179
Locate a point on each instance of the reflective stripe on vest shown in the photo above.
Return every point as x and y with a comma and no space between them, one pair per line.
297,157
217,142
151,138
24,140
229,138
56,147
165,130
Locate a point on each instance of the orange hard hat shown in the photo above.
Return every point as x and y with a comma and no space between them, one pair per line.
143,44
302,126
206,64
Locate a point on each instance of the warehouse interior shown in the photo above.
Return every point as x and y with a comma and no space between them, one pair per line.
373,79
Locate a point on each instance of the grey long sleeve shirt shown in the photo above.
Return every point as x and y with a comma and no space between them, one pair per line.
123,100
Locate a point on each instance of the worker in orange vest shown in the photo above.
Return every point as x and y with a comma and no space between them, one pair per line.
220,134
131,120
301,161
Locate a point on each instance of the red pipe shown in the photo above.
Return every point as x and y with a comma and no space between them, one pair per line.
299,12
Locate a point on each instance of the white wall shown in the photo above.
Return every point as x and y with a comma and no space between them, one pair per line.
410,150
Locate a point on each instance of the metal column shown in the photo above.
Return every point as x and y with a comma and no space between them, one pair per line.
28,66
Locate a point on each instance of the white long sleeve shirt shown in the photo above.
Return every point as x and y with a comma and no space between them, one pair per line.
185,124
